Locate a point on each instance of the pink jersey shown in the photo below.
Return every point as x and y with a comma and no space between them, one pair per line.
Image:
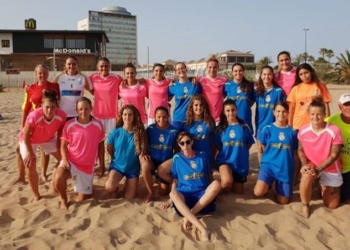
106,91
286,80
157,94
213,92
135,95
83,140
317,145
43,130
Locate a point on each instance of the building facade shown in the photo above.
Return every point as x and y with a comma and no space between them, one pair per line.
22,50
121,29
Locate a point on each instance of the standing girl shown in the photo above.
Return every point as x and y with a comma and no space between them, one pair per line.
266,96
240,90
82,142
279,145
233,140
162,142
106,91
193,189
72,85
306,86
157,91
42,128
33,100
133,92
213,87
183,89
319,148
126,144
285,77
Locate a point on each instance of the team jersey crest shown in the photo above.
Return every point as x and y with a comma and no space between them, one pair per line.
193,164
281,136
199,128
268,98
232,134
161,138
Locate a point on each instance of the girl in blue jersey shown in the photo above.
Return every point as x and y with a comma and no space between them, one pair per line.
193,189
126,144
267,94
241,91
200,124
162,142
279,145
182,90
233,140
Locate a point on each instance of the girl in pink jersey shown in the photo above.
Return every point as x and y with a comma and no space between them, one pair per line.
319,147
285,76
106,91
157,91
40,129
82,142
213,87
133,92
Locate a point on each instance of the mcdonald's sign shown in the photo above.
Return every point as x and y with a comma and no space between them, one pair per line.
5,43
30,24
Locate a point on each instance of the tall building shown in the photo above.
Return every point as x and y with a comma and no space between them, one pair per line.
121,29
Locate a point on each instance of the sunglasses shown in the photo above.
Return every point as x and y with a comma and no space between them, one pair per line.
183,143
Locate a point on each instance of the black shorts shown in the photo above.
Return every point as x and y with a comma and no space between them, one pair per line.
345,188
238,178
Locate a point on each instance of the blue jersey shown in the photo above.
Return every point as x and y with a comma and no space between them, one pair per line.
203,137
192,174
242,99
264,106
278,156
161,143
233,148
182,93
124,157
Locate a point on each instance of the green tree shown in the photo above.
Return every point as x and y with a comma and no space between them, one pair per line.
263,62
329,54
298,59
321,60
323,51
344,66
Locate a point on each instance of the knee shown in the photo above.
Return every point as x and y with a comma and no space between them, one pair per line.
109,187
173,195
226,183
332,205
258,192
216,186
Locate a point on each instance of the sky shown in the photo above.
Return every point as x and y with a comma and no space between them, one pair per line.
185,30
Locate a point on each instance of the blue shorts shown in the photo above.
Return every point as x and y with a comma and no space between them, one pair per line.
191,199
237,178
127,175
282,188
345,187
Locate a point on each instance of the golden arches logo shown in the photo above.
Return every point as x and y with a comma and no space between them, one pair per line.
30,24
5,43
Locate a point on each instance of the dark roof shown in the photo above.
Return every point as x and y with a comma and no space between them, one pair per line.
97,32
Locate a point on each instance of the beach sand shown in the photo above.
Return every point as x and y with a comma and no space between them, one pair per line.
241,222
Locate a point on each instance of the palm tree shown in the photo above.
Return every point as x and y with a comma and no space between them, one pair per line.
344,65
323,51
298,59
263,62
329,54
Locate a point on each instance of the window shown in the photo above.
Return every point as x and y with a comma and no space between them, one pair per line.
249,59
232,59
75,43
53,43
240,59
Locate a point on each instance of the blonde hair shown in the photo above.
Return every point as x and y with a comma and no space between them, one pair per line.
213,58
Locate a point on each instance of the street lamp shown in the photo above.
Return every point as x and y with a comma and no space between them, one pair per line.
306,30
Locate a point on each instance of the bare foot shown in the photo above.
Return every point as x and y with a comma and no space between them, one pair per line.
148,199
305,210
36,197
18,180
52,190
165,205
207,236
64,205
44,178
187,225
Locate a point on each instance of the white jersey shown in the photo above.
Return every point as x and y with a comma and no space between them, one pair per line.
71,89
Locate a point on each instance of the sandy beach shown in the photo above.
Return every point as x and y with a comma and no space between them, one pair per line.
241,222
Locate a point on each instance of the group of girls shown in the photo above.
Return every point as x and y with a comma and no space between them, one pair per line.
200,105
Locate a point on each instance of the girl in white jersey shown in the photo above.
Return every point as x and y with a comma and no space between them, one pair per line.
72,85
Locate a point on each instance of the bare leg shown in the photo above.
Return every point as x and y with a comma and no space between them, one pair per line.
131,187
20,168
297,170
164,171
33,179
44,162
260,188
52,189
82,197
146,170
60,184
112,182
305,193
331,196
226,177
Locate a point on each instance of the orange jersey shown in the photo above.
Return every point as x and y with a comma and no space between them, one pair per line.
301,95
